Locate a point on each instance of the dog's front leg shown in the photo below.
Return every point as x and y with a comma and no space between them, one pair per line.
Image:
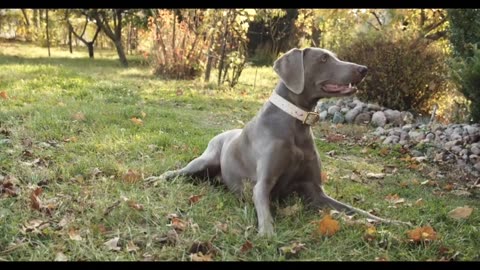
261,199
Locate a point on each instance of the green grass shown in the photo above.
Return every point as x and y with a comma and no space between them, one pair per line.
37,120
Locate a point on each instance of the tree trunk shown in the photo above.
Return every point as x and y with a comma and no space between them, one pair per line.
48,37
224,45
121,53
90,49
70,40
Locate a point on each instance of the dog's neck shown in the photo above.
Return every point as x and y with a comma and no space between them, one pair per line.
303,103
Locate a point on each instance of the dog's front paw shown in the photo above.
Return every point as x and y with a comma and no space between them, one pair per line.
266,231
164,176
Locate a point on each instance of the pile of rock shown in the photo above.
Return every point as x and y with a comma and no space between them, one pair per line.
458,143
355,111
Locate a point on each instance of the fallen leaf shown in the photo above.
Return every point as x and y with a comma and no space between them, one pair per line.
71,139
199,257
143,114
60,257
422,234
384,151
324,177
461,193
203,248
74,235
246,247
65,221
292,250
178,224
389,169
137,121
221,226
328,226
112,244
131,247
194,199
135,205
395,199
35,225
460,212
290,210
131,176
179,92
8,188
376,175
381,259
419,202
3,94
35,202
96,171
448,187
170,238
370,233
79,116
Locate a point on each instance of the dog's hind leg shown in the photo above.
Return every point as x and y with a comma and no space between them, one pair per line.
318,199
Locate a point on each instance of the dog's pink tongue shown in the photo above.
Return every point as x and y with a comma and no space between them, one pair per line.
334,87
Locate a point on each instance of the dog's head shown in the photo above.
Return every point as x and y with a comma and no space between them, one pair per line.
318,73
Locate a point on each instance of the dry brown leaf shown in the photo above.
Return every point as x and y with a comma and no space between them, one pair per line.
324,177
194,199
461,212
246,247
381,259
422,234
3,94
131,176
221,226
384,151
394,198
60,257
74,234
143,114
448,187
8,188
199,257
35,202
135,205
137,121
328,226
131,247
112,244
419,202
71,139
178,224
79,116
179,92
292,250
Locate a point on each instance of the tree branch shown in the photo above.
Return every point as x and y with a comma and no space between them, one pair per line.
27,22
376,17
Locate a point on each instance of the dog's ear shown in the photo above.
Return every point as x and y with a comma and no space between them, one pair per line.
290,69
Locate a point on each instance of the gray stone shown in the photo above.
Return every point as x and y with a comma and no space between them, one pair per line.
407,127
404,136
416,153
456,149
323,115
477,166
407,117
416,135
338,118
379,131
333,109
344,110
430,137
393,116
374,107
450,144
471,130
475,149
5,142
391,140
362,118
403,142
379,119
351,114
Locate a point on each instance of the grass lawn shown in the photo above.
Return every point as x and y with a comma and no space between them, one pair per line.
66,126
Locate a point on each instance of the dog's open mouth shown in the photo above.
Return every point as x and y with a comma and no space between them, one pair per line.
340,88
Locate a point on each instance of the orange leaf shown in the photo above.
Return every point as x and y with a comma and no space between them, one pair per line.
247,246
178,224
394,199
194,199
448,187
74,235
199,257
422,234
3,95
328,226
179,92
324,177
137,121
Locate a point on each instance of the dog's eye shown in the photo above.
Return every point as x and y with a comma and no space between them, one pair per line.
324,58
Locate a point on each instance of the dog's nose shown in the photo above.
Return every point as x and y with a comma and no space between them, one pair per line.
362,70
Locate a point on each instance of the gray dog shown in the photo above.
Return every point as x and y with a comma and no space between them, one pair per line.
276,150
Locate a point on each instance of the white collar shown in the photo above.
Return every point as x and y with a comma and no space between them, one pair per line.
308,118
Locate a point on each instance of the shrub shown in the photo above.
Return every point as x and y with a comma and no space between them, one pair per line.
404,74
